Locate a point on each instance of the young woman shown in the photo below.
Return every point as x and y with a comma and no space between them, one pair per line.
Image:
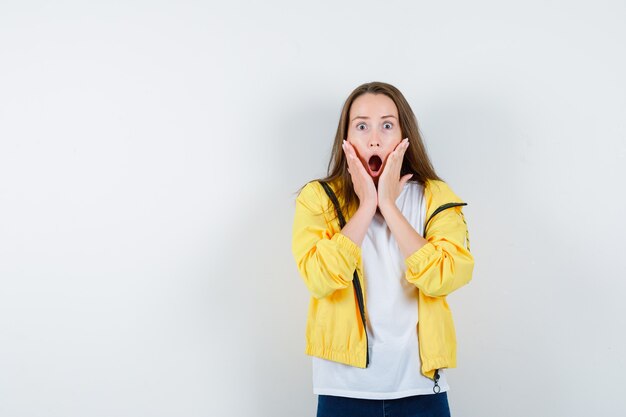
380,242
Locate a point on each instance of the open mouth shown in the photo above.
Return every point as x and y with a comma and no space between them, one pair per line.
374,164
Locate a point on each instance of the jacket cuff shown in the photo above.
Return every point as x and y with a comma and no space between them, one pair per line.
420,257
348,245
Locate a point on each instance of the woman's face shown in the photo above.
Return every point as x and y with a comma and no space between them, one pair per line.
374,131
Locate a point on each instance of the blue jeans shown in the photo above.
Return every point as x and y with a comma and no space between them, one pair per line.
429,405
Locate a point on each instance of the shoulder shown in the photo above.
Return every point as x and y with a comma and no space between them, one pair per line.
438,192
309,189
315,190
313,195
310,194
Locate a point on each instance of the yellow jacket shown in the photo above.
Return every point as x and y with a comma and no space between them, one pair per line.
327,261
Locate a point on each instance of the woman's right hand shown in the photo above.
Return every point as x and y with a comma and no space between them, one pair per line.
362,182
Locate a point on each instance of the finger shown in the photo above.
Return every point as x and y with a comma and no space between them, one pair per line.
348,160
402,146
348,152
356,162
352,152
355,167
393,164
349,148
398,154
362,172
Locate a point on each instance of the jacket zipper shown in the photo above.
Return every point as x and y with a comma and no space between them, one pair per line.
359,298
436,387
355,281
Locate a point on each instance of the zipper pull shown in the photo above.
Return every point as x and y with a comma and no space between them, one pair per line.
436,388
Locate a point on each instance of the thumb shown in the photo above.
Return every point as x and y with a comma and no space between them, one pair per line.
404,179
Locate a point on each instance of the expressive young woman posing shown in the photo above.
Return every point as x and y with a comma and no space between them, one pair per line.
380,242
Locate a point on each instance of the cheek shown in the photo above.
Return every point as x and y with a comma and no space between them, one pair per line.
356,146
394,145
359,154
389,151
396,138
391,147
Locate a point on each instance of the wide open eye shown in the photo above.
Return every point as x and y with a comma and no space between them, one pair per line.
387,125
359,126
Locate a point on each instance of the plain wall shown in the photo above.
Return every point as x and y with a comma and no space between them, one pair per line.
149,157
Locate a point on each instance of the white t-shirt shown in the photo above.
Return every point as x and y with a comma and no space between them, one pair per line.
394,368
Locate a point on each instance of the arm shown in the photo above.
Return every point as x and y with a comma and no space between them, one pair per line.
326,260
357,226
409,241
445,263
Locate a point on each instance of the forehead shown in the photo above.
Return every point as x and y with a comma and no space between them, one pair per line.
373,105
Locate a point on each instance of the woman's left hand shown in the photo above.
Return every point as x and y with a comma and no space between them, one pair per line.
390,184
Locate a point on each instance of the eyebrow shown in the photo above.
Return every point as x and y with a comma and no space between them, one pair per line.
365,117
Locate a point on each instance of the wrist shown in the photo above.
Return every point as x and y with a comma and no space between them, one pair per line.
369,209
387,206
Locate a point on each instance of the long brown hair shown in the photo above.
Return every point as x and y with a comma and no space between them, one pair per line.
416,160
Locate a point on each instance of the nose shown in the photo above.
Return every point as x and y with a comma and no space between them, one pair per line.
374,142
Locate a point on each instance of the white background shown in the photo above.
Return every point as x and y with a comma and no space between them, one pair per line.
149,156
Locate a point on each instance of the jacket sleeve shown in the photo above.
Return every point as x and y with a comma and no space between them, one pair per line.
445,263
326,260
